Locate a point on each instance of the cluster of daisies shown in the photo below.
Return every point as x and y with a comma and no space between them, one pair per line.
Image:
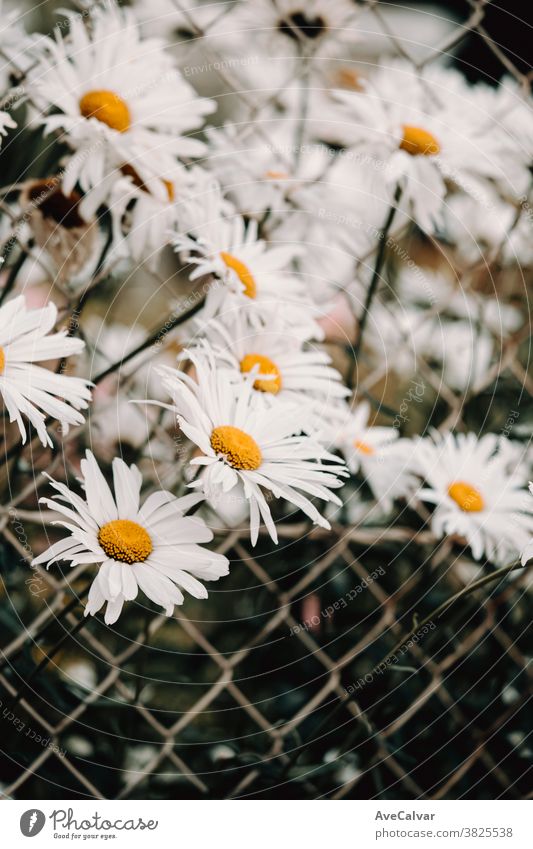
276,216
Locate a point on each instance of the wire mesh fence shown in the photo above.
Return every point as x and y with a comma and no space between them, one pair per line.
329,666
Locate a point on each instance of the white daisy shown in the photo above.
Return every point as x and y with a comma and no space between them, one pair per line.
475,494
327,202
434,288
376,452
285,369
250,273
152,547
501,227
117,99
527,552
466,354
422,132
143,217
302,25
16,46
241,442
27,388
399,335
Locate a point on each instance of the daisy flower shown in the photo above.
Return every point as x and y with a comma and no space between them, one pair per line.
242,443
286,371
28,389
477,238
153,547
475,494
250,273
16,45
376,452
298,24
116,98
422,133
143,216
433,288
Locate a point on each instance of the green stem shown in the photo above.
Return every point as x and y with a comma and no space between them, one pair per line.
376,277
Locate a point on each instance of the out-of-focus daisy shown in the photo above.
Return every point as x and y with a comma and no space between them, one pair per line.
328,202
143,217
476,496
242,443
153,547
403,336
400,335
424,287
502,229
117,99
16,46
28,389
304,25
527,552
376,452
466,354
423,132
260,173
285,370
249,272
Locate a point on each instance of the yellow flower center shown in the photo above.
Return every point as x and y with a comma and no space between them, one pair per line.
419,142
266,366
126,541
348,78
277,175
242,271
2,360
239,448
107,107
467,497
364,447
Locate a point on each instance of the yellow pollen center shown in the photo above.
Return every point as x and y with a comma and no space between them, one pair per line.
266,366
419,142
126,541
467,497
239,448
277,175
363,447
107,107
348,78
243,273
2,360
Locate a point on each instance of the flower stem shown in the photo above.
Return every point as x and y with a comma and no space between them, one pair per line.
376,276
